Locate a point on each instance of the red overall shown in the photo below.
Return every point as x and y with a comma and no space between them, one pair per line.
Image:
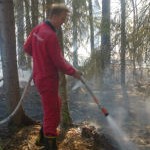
43,45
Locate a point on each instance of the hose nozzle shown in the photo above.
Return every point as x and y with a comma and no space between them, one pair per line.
104,111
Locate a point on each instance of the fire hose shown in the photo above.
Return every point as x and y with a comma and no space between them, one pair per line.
8,118
103,109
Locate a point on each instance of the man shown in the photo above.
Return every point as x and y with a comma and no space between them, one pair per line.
43,45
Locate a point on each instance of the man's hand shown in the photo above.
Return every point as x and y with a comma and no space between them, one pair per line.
77,74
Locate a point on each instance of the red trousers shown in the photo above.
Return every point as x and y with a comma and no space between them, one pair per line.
51,103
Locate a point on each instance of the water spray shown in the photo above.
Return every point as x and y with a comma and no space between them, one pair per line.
119,135
103,109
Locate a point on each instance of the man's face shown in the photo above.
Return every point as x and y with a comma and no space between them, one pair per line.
61,18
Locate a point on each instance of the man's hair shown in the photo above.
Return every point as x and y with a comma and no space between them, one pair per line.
57,9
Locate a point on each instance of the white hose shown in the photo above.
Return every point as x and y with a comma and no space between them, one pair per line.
19,103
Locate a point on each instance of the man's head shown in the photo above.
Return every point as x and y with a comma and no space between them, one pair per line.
58,14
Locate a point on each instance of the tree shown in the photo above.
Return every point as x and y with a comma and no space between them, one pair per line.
75,32
9,62
123,42
49,2
28,26
65,115
91,25
34,12
105,37
19,7
66,121
134,6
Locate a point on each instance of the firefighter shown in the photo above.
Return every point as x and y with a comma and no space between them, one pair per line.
43,45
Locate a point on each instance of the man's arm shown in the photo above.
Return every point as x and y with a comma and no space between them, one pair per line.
58,59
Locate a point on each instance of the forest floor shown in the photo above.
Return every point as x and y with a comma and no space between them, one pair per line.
92,131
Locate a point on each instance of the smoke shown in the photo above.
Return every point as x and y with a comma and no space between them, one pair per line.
77,85
120,114
128,110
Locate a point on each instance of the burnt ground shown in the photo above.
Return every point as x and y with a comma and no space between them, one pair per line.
129,109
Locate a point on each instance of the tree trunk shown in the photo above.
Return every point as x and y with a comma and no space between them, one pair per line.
66,121
75,33
48,3
43,9
91,25
9,62
65,115
27,17
105,38
19,7
134,40
105,32
34,12
123,42
28,27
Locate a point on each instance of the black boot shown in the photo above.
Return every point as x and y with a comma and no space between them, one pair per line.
40,140
50,143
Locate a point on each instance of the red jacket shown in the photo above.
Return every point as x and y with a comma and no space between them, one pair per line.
43,45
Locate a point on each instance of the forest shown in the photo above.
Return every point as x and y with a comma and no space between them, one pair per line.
109,42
